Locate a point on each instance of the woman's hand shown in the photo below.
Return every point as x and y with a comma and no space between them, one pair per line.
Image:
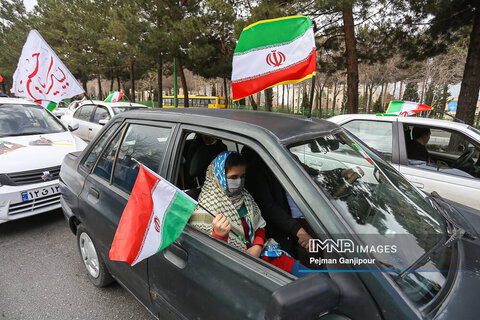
255,250
221,225
303,238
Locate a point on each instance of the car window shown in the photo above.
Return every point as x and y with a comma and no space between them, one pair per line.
97,149
101,114
105,164
19,120
84,112
376,134
142,144
442,150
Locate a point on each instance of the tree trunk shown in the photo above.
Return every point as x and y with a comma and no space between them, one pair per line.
394,89
322,88
365,98
118,82
352,60
3,87
112,79
283,95
131,64
84,82
159,81
100,93
423,90
253,103
184,82
334,102
268,99
288,97
226,91
326,106
467,99
381,94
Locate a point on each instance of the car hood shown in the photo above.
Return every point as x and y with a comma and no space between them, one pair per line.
31,152
462,301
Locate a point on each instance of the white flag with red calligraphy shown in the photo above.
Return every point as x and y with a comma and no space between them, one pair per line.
41,75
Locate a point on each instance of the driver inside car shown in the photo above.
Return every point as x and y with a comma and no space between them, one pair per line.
236,210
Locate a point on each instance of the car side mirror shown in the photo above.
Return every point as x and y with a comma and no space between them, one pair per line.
305,298
103,121
72,127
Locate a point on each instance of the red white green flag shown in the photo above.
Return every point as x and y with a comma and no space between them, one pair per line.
406,108
154,217
273,52
114,96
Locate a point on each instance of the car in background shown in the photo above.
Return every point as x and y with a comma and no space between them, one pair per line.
201,277
33,143
60,110
92,116
454,148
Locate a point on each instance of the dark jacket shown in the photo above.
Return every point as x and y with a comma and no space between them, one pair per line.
272,201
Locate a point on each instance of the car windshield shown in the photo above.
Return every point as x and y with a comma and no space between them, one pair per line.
20,120
382,207
117,110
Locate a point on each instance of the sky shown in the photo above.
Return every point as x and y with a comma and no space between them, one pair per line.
29,4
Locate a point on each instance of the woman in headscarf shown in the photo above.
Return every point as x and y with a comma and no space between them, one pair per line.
237,211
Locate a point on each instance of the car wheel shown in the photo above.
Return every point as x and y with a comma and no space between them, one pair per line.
96,269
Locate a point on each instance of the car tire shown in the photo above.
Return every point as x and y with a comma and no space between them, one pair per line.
96,269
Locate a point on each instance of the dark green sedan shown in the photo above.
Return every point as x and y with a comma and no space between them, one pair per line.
380,248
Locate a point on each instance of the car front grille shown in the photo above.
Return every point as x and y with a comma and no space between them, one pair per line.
32,176
31,205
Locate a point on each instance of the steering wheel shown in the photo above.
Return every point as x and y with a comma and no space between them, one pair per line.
463,159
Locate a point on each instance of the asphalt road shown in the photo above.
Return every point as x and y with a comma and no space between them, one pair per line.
43,277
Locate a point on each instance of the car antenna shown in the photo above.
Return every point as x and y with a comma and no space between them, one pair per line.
239,237
129,100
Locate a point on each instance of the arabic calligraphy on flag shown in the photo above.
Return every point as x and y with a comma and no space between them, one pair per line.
41,75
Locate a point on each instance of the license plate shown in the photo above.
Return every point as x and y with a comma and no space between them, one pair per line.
40,192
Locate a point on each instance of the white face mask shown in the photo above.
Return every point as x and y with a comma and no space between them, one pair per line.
235,186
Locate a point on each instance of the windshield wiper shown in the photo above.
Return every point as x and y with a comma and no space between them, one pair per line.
427,256
447,215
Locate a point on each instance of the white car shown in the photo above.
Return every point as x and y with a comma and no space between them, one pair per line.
33,144
453,167
91,116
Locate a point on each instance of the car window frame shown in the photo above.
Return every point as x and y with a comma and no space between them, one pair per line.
287,183
95,141
124,128
403,148
95,110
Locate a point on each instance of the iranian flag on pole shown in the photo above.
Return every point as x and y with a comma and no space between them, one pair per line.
49,105
114,96
406,108
154,217
273,52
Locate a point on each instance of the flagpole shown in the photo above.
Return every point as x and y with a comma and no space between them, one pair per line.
447,114
312,91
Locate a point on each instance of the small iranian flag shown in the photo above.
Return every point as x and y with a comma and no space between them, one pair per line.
406,108
273,52
49,105
114,96
154,217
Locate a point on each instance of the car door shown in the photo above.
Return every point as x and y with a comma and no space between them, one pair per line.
83,115
107,189
201,277
443,176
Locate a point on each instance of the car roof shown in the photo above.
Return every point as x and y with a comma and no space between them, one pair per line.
340,119
9,100
284,127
